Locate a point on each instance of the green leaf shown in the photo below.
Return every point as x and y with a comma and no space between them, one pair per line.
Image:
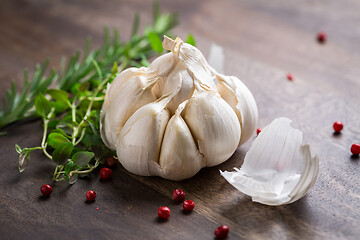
73,179
114,69
18,149
53,123
24,160
155,42
62,153
190,40
42,105
59,95
81,159
56,139
69,167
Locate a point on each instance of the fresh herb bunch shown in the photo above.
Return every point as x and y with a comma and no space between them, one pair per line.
71,110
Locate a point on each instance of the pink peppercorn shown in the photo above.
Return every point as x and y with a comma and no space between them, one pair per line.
163,212
188,205
221,232
355,149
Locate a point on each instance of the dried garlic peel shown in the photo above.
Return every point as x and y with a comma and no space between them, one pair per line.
278,169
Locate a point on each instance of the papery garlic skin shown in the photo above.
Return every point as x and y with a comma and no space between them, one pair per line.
278,169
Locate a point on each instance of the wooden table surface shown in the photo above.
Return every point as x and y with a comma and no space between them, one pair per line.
263,41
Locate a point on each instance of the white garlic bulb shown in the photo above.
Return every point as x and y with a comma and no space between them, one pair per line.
278,169
170,119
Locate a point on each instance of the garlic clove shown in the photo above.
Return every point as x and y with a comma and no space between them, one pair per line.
278,169
179,158
139,142
132,95
214,125
239,97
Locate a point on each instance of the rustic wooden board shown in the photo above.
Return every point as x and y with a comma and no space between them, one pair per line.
263,41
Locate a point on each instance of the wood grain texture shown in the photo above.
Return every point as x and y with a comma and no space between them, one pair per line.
263,41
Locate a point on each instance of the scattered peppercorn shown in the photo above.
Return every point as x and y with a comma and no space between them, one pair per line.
90,195
46,189
105,173
258,131
338,126
221,232
355,149
321,37
188,205
178,195
163,212
290,77
110,162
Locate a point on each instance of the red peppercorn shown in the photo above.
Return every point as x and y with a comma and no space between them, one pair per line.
90,195
321,37
290,77
164,212
110,162
46,189
258,131
105,173
178,195
355,149
338,126
188,205
221,232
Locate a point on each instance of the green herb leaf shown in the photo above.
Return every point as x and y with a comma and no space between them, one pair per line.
82,159
62,153
155,42
190,40
59,95
56,139
24,160
74,178
69,167
18,149
42,105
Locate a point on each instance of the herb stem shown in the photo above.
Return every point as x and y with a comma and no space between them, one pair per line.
46,123
85,171
73,116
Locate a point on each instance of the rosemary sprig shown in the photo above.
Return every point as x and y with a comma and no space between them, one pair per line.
135,52
71,110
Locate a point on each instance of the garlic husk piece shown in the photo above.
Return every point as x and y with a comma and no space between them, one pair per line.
193,59
177,74
278,169
125,100
179,158
139,142
163,65
239,97
214,126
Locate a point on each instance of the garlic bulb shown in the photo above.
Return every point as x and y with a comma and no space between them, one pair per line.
170,119
278,169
